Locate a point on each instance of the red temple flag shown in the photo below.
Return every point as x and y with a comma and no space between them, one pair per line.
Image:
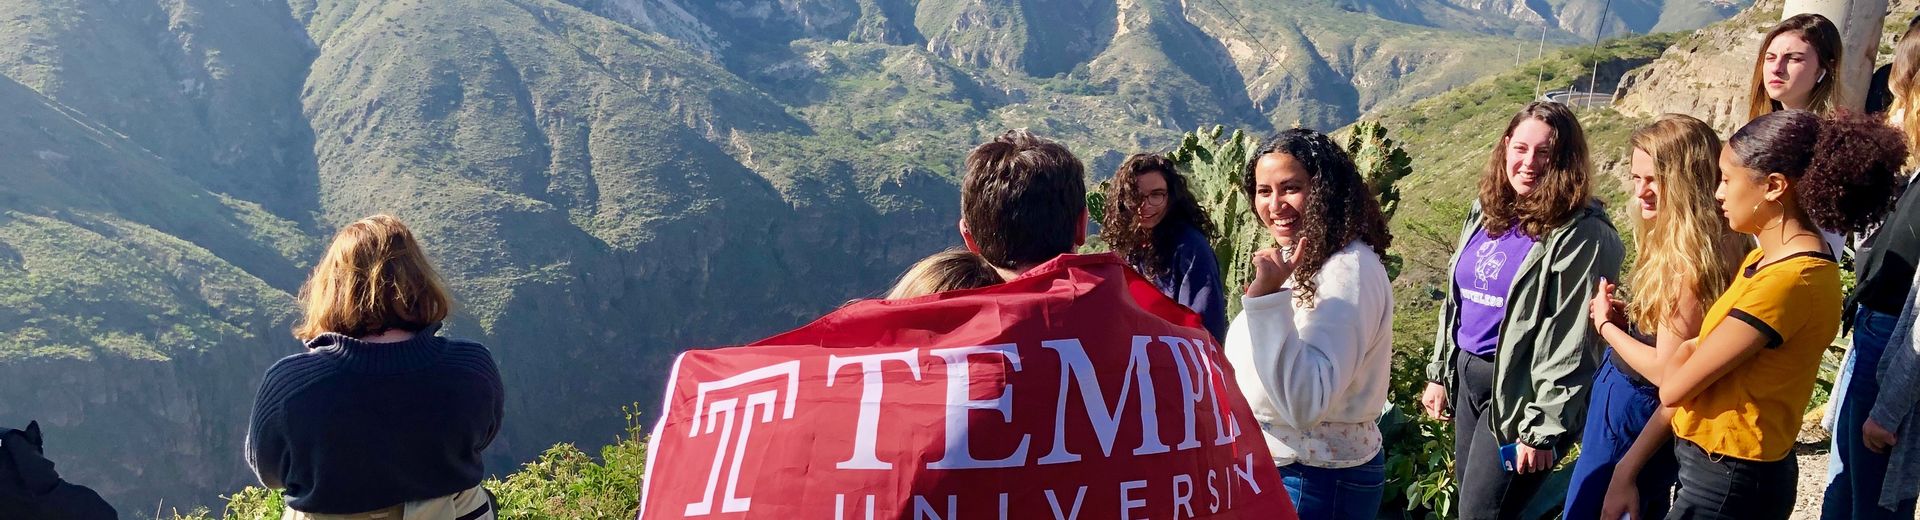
1074,391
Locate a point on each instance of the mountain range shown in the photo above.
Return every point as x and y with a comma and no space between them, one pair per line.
603,183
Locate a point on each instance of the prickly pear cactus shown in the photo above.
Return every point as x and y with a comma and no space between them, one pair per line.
1381,162
1215,168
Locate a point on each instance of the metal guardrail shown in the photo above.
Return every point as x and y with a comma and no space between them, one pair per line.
1575,98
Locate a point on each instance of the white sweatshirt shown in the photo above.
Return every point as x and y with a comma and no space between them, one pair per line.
1316,376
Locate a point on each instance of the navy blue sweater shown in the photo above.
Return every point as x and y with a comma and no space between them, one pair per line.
1192,278
350,426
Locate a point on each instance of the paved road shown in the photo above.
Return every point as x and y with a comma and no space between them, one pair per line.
1579,99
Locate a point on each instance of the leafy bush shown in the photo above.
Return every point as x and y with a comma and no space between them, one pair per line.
564,483
1215,168
1419,460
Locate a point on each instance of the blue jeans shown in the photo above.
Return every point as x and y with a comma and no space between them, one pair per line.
1616,413
1337,494
1853,491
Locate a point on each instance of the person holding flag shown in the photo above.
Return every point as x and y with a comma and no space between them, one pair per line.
1075,389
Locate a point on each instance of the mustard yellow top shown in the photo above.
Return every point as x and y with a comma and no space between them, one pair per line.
1754,411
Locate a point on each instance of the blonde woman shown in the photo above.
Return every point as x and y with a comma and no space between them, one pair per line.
1686,256
381,417
949,270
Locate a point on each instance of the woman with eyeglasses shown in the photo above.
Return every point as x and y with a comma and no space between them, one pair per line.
1154,222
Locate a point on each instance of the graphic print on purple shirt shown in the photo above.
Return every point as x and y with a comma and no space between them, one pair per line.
1481,281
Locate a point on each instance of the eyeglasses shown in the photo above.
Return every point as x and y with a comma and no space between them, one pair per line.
1157,198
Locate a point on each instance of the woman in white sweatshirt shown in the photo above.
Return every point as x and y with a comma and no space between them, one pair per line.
1313,342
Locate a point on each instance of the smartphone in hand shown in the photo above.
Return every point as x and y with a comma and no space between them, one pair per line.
1510,454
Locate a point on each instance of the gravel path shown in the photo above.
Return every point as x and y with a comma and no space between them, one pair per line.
1813,484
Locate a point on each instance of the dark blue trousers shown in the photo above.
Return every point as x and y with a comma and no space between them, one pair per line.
1854,491
1616,413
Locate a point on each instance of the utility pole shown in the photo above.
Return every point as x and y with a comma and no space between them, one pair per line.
1538,74
1598,27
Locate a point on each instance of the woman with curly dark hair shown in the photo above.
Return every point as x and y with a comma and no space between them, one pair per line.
1515,350
1154,222
1317,325
1739,390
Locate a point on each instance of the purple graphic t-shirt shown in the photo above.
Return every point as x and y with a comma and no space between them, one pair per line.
1482,280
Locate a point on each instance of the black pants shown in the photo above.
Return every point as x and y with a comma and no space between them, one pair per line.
1487,489
1715,487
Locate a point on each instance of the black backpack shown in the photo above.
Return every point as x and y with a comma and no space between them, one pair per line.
31,490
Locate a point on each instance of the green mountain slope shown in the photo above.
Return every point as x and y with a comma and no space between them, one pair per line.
1450,136
114,324
603,182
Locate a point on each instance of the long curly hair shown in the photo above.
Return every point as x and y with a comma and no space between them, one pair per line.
1842,168
1150,247
1564,188
1340,207
1686,250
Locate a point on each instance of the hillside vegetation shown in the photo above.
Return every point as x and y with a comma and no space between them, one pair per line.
565,483
603,183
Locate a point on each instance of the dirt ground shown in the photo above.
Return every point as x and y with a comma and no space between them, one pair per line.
1813,484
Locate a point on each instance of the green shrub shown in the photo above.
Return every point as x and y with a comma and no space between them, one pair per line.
1214,168
564,483
1419,460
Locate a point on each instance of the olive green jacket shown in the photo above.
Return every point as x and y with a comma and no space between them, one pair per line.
1548,349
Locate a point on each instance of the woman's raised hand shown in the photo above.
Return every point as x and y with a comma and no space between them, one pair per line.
1270,272
1603,308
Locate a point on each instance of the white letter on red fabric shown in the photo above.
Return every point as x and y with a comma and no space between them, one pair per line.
1106,422
761,401
959,383
867,428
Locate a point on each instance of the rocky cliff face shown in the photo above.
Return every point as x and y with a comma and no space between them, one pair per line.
1713,67
1568,21
131,331
1708,74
